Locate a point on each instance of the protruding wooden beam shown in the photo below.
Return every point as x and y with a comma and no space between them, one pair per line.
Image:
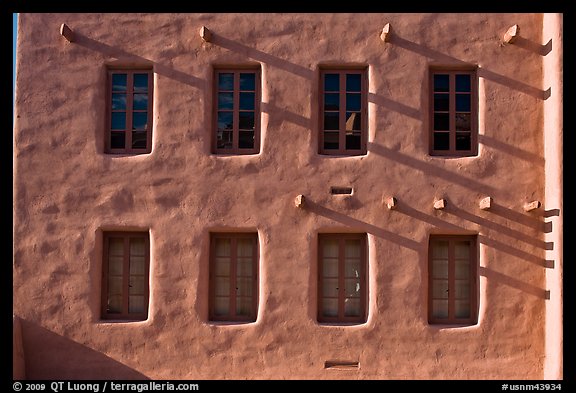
385,34
205,34
486,203
529,206
511,34
391,203
299,201
439,204
67,32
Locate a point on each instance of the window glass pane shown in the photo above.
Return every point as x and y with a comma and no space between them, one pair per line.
330,307
140,101
463,141
222,266
441,122
244,247
440,308
137,246
331,101
137,285
462,249
247,101
330,248
114,285
119,82
246,140
248,81
331,120
116,246
222,286
331,140
352,287
224,140
225,100
222,305
440,289
118,101
140,82
353,141
244,286
225,120
441,82
137,265
244,267
118,120
139,120
353,82
440,268
136,304
118,140
331,82
243,306
462,308
353,121
463,82
441,102
352,307
330,267
439,249
462,269
441,141
463,122
353,102
226,81
115,265
352,267
330,287
246,120
463,102
222,247
462,289
139,139
114,304
352,248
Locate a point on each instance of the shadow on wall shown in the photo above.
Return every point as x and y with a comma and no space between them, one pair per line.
49,356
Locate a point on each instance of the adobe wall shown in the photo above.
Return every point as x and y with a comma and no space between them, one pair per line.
67,192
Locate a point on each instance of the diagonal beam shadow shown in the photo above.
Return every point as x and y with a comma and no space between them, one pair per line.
367,227
511,150
395,106
442,224
281,114
491,274
532,46
429,169
482,72
262,56
123,55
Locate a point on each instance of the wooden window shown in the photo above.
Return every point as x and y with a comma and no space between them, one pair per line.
129,120
233,277
126,266
453,277
343,112
342,278
454,113
237,114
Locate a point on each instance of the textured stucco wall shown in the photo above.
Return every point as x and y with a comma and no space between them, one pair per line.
67,192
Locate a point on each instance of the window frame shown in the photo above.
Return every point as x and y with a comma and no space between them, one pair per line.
129,111
452,151
125,314
473,277
342,151
236,150
342,318
231,316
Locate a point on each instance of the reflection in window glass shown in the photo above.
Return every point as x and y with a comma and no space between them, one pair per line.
119,82
353,82
331,82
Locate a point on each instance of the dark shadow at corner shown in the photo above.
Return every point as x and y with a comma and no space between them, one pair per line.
127,57
532,46
361,225
49,356
445,59
261,56
514,283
